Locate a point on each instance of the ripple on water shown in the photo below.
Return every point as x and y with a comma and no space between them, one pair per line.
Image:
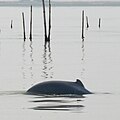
70,103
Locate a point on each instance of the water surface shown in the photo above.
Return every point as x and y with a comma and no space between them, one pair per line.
23,64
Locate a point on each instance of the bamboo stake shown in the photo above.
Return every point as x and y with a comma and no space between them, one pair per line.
87,23
31,23
23,26
99,24
82,24
11,24
44,17
49,21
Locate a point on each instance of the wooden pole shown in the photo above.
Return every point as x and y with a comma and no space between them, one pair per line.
44,17
82,24
99,24
31,23
23,26
87,23
11,24
49,21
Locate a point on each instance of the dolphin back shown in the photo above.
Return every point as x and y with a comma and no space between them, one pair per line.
59,88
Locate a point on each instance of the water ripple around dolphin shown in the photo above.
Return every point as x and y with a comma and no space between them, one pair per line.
69,103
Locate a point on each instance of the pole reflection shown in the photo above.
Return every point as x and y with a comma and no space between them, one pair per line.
24,61
83,59
47,70
31,60
27,57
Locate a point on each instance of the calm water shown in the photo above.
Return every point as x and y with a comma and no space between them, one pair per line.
23,64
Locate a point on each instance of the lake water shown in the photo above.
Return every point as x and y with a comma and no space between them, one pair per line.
97,64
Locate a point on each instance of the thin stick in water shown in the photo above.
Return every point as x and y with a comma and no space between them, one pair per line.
44,17
99,24
23,26
87,23
82,24
49,21
31,23
11,24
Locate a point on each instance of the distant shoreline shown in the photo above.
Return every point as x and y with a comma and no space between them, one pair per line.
60,4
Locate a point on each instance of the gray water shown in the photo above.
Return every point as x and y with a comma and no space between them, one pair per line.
23,64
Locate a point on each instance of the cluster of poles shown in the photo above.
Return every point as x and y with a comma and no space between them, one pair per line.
47,33
87,23
24,30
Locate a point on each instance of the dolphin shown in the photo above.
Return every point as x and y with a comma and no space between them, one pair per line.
59,88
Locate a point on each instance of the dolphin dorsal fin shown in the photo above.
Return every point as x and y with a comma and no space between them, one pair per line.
79,82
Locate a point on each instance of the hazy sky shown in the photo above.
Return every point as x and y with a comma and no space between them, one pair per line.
9,0
68,0
86,0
